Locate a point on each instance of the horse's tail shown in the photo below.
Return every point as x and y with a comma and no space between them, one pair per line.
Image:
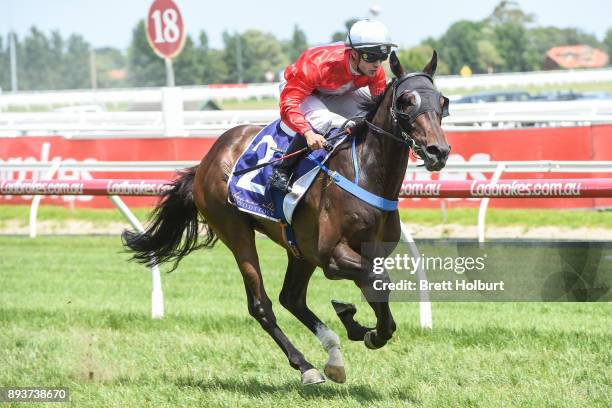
173,229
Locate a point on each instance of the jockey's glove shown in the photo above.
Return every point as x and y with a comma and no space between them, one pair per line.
352,123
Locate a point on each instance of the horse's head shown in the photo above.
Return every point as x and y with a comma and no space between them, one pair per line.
417,109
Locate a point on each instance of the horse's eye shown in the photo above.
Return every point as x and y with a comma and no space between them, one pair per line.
407,100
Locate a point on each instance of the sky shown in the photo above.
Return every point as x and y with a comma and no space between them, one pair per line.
110,22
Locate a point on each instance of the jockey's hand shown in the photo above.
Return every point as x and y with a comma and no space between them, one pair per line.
353,123
315,141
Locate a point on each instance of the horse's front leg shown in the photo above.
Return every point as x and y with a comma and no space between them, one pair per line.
347,264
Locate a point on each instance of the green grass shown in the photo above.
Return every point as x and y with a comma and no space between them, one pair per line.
461,216
56,213
247,104
75,313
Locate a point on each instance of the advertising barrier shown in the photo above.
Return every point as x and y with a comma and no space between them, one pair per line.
585,143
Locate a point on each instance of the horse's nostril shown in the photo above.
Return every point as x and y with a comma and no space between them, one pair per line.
438,151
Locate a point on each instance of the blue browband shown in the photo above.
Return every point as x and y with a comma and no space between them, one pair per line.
352,188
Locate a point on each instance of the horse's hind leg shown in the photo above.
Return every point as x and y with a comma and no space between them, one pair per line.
293,298
241,241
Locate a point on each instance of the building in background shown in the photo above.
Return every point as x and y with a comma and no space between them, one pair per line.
575,56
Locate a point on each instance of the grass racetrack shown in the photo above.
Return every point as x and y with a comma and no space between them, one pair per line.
75,313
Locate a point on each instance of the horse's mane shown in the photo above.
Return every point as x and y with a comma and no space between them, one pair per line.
372,105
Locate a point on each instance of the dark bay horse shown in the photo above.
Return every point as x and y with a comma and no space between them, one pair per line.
330,224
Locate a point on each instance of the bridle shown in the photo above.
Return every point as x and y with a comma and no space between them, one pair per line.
427,100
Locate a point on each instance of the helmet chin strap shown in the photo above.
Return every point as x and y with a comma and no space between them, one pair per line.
358,61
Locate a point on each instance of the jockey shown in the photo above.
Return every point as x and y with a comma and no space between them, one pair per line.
327,85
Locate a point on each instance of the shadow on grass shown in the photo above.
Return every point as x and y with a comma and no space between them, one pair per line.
252,387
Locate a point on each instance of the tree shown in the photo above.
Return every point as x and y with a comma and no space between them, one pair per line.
296,45
5,67
56,61
33,55
544,38
340,36
459,45
489,59
508,12
415,59
513,46
76,66
145,67
187,69
607,43
111,64
213,69
260,52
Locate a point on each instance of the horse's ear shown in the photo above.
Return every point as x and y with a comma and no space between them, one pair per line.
396,66
430,68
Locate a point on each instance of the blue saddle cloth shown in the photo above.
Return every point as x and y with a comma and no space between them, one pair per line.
251,193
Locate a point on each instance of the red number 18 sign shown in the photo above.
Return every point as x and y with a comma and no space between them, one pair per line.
165,30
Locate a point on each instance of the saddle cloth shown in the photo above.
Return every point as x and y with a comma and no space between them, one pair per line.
251,193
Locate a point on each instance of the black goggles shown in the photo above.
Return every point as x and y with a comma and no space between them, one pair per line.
373,57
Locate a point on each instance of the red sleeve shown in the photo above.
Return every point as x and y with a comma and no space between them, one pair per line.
378,83
298,87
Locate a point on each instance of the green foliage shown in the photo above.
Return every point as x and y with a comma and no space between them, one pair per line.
340,36
509,12
415,59
47,63
504,41
512,43
489,58
213,69
76,67
5,70
544,38
607,43
187,66
260,52
296,45
459,45
145,67
108,61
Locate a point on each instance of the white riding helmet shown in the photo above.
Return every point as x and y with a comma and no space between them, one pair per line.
369,34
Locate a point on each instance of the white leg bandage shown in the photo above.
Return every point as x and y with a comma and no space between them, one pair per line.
331,343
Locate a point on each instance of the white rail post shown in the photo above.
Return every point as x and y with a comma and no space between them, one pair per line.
425,314
36,200
484,203
157,295
172,106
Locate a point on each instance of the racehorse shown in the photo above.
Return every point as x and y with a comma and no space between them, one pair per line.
330,225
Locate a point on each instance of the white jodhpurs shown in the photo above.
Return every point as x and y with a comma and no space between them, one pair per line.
325,112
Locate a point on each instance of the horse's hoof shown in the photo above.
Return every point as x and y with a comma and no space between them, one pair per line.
369,341
341,307
312,376
335,373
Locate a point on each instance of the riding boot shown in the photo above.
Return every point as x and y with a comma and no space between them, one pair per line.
282,171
